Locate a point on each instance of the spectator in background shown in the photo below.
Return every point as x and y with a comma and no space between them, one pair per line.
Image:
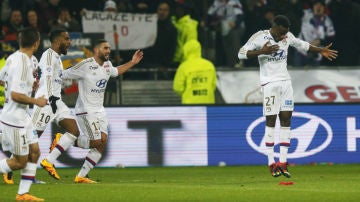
144,6
346,17
32,20
125,6
186,29
15,23
254,20
161,54
5,10
317,29
195,79
110,6
228,15
49,11
66,21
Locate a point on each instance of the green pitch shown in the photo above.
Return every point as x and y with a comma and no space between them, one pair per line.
181,184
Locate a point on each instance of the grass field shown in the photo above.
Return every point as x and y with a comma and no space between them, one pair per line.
241,183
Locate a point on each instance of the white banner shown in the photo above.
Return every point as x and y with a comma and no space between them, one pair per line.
134,31
309,86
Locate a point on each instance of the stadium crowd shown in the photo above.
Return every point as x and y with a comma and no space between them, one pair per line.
221,26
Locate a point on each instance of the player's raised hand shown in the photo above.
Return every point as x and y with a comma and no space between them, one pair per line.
269,49
136,58
329,53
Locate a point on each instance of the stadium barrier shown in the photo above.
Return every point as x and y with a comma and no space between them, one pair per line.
213,135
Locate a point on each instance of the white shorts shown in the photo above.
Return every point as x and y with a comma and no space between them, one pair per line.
277,96
93,124
44,115
17,139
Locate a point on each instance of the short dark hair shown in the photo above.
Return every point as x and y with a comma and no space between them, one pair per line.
27,37
55,34
282,20
99,41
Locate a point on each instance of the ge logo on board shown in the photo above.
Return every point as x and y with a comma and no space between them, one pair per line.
101,83
309,135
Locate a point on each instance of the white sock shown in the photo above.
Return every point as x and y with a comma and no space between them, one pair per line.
27,178
269,143
284,143
66,140
83,141
91,160
1,134
4,167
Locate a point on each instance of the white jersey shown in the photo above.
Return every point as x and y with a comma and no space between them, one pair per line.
92,80
3,70
51,68
272,67
18,77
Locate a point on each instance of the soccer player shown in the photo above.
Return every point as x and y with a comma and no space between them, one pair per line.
8,177
92,75
50,86
19,136
271,48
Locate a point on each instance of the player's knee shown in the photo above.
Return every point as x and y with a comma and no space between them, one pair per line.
74,131
95,143
271,120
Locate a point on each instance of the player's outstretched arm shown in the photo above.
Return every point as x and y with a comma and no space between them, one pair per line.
136,58
325,51
328,53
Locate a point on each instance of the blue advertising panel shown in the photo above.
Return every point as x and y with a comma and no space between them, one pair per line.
320,133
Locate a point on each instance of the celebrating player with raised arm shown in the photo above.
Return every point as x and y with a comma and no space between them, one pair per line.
271,48
92,75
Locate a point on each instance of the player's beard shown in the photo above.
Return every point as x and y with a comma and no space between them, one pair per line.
104,58
63,49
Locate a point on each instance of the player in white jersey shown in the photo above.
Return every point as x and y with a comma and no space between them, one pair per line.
50,86
271,48
19,136
92,75
8,177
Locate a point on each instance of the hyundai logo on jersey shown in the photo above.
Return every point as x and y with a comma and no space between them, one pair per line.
101,83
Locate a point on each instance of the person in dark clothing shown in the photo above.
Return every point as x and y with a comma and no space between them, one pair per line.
161,54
